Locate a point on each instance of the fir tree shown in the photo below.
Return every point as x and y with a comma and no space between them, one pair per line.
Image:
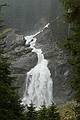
72,44
53,113
48,113
31,114
10,103
42,113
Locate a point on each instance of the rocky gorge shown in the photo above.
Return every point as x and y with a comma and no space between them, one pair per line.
22,59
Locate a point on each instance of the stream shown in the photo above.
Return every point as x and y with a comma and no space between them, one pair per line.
38,82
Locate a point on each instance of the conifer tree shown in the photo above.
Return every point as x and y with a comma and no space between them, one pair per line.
31,113
48,113
10,103
53,113
42,113
72,44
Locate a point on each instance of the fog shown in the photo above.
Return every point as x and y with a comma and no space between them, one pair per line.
24,15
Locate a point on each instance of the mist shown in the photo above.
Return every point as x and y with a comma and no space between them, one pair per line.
29,15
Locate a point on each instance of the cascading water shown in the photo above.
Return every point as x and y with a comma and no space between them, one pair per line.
38,81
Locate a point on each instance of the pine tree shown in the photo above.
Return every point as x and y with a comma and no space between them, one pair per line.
10,103
72,44
31,113
42,113
53,113
77,111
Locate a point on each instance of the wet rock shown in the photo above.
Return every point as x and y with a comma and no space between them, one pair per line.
59,68
21,58
28,45
24,63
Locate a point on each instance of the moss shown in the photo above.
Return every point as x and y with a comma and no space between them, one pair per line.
4,32
67,111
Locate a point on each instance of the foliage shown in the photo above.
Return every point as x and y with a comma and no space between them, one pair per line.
48,113
72,8
72,44
10,103
43,113
67,111
53,113
31,113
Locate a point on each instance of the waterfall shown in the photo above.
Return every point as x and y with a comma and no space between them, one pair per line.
38,81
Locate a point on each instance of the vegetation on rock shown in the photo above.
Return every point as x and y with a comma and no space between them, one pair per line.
72,44
10,103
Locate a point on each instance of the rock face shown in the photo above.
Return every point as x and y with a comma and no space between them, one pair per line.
22,60
59,68
20,57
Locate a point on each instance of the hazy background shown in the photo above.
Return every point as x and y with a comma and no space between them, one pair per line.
28,15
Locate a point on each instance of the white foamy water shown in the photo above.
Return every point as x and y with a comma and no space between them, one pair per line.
38,82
